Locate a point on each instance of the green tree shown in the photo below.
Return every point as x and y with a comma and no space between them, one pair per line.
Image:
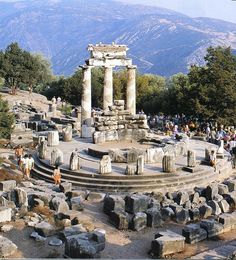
19,68
213,87
7,120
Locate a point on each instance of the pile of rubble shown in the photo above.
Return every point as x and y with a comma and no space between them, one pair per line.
50,210
136,211
118,125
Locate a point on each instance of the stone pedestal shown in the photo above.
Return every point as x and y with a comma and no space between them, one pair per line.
108,88
220,151
56,157
53,138
74,162
140,165
42,150
87,131
168,164
105,165
191,158
131,90
67,133
86,95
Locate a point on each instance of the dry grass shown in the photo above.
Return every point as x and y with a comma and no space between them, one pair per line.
6,175
46,212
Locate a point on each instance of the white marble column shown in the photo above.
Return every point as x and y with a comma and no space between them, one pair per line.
86,99
108,88
131,90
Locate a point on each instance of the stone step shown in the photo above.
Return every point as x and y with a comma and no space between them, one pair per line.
148,181
111,186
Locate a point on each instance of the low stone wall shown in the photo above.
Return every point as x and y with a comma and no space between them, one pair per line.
119,125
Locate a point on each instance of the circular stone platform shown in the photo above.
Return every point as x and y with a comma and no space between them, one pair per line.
152,179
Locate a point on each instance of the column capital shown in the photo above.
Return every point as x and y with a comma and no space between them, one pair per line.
131,67
84,67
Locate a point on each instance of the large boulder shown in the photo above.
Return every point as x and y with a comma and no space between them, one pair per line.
166,243
44,229
7,247
136,203
120,219
85,245
59,205
153,217
139,221
7,185
5,214
113,202
193,233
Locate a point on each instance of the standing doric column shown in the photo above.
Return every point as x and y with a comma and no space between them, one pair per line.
86,99
131,90
108,88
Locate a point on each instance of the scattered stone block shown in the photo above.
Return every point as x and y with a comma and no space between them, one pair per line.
85,245
222,189
7,185
21,197
193,233
211,191
153,217
44,229
7,247
112,203
231,185
167,213
71,231
6,228
224,205
76,203
136,203
231,199
65,187
166,243
59,205
139,221
181,198
215,207
55,242
120,219
37,237
194,214
182,216
212,227
194,198
5,214
205,211
228,220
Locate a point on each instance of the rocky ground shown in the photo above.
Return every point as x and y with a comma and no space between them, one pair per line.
119,244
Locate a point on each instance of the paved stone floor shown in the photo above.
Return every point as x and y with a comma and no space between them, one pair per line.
91,164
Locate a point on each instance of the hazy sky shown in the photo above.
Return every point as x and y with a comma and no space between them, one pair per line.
220,9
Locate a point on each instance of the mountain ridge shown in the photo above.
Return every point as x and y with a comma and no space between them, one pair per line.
160,41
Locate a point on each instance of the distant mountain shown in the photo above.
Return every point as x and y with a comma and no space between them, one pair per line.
160,41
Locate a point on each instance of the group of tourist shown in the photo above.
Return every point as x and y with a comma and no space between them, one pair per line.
26,164
180,124
24,161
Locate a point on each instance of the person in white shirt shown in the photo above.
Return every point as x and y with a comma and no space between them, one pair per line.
213,160
25,166
31,162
